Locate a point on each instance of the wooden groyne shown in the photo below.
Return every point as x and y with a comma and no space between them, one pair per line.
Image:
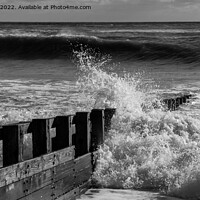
173,104
54,158
51,158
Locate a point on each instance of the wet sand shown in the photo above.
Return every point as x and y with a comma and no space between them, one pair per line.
112,194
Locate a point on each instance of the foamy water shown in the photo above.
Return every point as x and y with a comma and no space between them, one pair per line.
146,148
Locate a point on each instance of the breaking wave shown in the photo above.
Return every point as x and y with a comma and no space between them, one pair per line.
60,46
145,149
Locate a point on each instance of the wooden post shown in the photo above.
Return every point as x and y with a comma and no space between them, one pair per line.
173,107
169,102
181,100
1,147
184,99
82,140
42,133
97,133
64,132
108,112
177,103
1,133
165,101
13,143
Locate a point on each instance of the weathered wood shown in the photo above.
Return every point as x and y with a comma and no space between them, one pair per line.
56,175
83,175
64,131
28,168
27,142
64,185
83,161
108,113
174,103
95,156
61,178
45,193
63,170
12,145
97,133
13,191
83,138
42,133
51,183
26,186
71,195
83,169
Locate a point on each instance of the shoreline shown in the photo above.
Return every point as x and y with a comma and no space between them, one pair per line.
120,194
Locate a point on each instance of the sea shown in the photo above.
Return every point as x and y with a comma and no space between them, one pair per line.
49,69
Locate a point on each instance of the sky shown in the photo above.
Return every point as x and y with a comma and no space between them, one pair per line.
102,11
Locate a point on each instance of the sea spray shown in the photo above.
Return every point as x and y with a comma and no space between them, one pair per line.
103,89
146,148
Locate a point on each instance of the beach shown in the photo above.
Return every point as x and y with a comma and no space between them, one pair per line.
55,69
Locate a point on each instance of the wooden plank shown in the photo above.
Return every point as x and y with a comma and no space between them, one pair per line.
28,168
70,174
38,181
82,138
56,176
108,114
51,183
83,169
97,133
61,178
45,193
26,186
64,185
83,175
71,195
64,132
63,170
13,191
81,161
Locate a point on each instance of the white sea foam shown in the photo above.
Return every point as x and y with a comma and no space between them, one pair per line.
146,148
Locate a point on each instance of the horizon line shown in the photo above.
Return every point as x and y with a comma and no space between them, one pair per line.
103,22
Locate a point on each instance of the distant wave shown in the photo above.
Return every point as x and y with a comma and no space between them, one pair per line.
148,31
61,47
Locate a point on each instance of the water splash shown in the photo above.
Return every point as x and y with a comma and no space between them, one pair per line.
146,148
104,88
